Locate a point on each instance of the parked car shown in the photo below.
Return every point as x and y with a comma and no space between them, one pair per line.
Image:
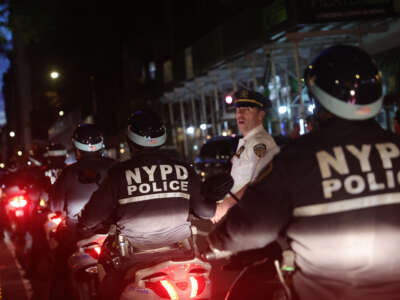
215,156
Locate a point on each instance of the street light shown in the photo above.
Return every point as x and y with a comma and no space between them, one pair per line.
228,99
19,153
61,113
282,109
54,75
12,134
190,130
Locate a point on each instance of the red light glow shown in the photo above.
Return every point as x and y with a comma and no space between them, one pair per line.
56,220
18,202
195,287
229,99
97,249
170,289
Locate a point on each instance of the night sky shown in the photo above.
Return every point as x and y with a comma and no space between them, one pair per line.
81,39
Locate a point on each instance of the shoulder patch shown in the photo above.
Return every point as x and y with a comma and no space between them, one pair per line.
260,150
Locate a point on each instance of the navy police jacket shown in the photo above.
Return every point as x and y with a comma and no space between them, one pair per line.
77,182
335,194
150,197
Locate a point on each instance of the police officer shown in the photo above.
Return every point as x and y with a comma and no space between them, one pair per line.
152,195
334,192
254,150
72,191
78,181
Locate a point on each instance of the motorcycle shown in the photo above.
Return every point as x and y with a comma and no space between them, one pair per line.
17,212
53,220
175,277
16,208
83,267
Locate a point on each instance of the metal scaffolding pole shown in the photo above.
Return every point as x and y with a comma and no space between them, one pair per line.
251,60
203,110
232,68
218,116
299,88
194,111
273,75
183,122
213,116
172,121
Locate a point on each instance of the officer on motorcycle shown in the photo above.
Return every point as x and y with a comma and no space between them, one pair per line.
72,191
149,197
333,192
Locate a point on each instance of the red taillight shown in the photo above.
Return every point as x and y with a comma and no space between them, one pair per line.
97,249
18,202
163,289
195,287
56,220
198,284
93,252
170,289
182,285
19,213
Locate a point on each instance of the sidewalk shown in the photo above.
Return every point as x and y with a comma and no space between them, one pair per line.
12,285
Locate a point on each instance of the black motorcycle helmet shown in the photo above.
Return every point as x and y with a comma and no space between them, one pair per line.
146,130
345,81
88,138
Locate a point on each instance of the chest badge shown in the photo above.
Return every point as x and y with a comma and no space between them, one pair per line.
260,150
240,151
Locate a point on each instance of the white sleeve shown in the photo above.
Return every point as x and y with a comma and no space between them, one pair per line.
260,162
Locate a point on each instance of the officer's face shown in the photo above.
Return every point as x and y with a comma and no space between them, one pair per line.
248,118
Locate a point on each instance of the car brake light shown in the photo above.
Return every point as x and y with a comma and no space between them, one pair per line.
18,202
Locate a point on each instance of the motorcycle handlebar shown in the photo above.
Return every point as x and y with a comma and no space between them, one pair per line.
209,254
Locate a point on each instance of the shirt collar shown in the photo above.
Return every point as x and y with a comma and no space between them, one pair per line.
254,131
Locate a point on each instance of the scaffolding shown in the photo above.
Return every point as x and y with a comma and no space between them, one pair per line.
197,109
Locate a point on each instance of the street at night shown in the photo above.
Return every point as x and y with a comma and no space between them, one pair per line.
205,149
